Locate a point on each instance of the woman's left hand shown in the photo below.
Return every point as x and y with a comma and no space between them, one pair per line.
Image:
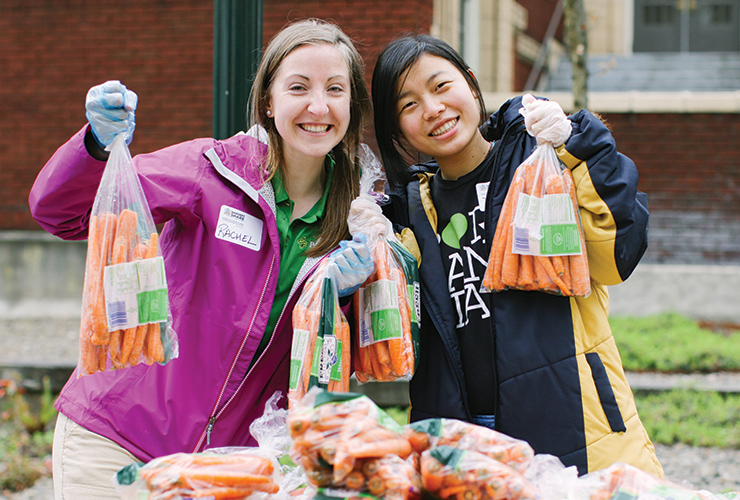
545,120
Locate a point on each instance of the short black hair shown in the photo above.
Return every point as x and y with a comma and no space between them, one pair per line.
393,64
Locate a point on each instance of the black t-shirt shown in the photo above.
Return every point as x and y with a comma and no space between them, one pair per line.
460,210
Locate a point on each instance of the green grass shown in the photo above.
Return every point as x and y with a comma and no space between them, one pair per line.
674,343
695,418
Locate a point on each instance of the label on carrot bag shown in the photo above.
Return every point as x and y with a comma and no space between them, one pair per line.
545,226
327,359
135,293
380,318
297,355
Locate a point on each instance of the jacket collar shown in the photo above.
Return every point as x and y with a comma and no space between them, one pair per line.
240,159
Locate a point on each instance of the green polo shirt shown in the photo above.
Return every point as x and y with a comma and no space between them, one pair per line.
295,239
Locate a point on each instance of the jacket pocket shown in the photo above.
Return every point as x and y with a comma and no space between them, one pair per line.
606,393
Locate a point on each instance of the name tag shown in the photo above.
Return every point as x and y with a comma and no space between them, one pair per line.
240,228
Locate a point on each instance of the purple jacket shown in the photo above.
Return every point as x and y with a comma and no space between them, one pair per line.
220,293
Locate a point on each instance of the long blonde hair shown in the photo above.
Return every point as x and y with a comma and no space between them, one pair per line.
345,186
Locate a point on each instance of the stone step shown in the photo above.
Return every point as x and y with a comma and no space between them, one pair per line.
30,376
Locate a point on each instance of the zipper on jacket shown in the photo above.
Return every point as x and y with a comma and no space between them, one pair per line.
206,434
214,416
269,343
209,429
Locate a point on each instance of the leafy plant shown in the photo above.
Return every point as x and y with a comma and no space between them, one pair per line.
695,418
25,440
673,343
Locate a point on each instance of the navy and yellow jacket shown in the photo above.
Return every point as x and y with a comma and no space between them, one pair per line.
562,387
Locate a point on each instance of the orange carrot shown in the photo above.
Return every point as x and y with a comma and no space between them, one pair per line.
398,348
452,491
558,264
138,344
380,360
510,265
525,280
355,480
88,351
125,233
153,348
399,446
114,348
152,246
127,343
566,273
220,477
121,341
492,278
102,229
346,368
139,251
223,493
313,317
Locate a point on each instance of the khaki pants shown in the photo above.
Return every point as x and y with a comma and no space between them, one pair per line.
85,463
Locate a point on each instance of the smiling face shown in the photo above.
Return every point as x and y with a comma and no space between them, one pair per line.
439,115
310,101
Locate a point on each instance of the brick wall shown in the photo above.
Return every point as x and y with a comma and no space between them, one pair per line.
689,166
51,53
688,162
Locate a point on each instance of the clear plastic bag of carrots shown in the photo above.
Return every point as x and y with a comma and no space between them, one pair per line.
426,434
624,481
125,317
388,477
538,243
219,473
320,354
339,437
386,312
387,305
452,473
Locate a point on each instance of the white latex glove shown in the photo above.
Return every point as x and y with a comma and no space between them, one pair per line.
350,265
110,110
545,120
366,217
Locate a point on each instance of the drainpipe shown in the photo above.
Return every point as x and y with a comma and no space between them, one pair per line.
237,43
542,54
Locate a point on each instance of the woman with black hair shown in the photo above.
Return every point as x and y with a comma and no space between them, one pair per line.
539,367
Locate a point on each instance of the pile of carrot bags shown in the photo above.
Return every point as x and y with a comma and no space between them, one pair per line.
343,446
384,344
125,317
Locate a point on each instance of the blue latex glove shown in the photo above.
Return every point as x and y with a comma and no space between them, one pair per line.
110,110
351,264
